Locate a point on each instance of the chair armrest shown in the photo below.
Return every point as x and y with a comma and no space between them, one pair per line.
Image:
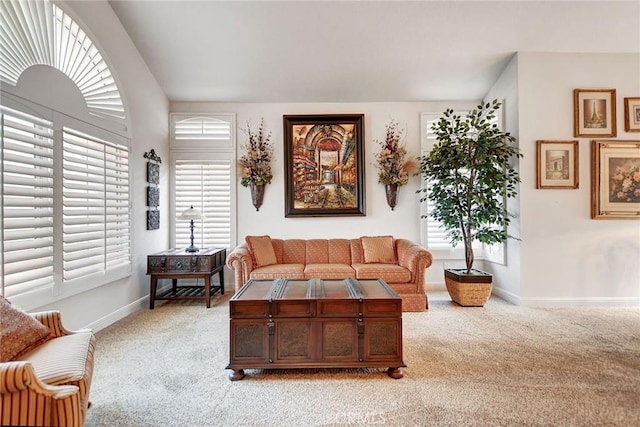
53,320
28,401
16,376
239,260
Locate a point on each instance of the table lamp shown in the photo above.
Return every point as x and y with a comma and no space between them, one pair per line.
191,214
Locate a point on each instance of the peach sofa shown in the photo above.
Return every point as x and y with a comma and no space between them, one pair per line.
400,262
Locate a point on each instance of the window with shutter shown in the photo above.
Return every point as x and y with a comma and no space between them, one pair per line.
205,185
27,203
202,171
96,223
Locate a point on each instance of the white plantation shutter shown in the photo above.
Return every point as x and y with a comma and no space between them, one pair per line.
433,234
200,128
207,186
96,223
27,203
39,32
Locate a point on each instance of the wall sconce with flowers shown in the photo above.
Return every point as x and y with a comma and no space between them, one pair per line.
394,168
255,163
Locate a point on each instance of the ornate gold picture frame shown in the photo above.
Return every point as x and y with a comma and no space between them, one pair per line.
615,179
324,165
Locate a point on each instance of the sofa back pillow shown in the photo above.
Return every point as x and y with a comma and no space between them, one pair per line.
317,251
378,249
261,250
19,332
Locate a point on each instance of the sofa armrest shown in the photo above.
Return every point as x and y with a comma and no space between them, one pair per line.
239,260
413,257
53,320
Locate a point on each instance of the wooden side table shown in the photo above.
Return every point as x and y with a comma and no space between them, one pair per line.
177,264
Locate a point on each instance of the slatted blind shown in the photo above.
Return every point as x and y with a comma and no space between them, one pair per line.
433,233
201,128
38,32
205,185
27,203
96,213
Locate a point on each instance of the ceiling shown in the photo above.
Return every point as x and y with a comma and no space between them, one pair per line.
359,51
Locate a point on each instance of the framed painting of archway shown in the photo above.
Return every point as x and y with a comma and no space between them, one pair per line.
324,165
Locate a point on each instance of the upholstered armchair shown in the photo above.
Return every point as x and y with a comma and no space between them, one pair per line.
47,382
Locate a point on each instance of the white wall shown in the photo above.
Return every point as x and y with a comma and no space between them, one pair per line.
148,109
403,222
566,257
507,277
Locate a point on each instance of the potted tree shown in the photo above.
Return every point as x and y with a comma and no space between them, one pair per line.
469,178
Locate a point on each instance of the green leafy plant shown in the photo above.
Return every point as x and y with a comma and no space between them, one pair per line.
255,163
469,177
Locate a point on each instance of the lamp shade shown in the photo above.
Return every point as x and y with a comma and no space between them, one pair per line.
191,213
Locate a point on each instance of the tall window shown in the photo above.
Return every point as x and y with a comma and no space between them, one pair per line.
27,203
66,224
202,168
96,224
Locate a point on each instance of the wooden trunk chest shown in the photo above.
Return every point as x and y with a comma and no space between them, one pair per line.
315,324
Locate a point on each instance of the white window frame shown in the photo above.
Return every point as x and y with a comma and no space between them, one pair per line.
207,145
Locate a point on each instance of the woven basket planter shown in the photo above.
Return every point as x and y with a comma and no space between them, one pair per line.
468,290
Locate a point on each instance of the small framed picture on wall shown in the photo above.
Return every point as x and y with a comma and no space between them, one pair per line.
594,113
557,164
632,114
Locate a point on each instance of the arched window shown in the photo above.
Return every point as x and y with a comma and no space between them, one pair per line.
40,33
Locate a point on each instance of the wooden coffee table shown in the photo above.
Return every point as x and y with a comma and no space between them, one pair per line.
315,324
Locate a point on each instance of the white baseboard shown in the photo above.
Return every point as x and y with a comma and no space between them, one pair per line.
119,314
506,295
553,302
559,302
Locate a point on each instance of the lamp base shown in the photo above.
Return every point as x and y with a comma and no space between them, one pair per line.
191,249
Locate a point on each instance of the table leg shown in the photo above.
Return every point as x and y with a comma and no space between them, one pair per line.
152,291
174,287
207,290
221,277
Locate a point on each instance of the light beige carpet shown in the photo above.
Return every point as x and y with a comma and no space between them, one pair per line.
501,365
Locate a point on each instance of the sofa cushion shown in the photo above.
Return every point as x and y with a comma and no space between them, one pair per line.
378,249
62,360
339,251
390,273
328,271
276,271
261,250
294,251
19,332
317,251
